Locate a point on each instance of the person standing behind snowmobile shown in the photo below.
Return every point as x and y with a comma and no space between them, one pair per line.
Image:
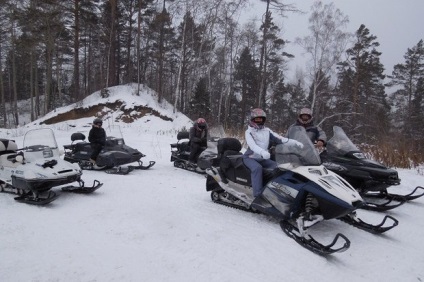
97,139
315,133
198,139
258,138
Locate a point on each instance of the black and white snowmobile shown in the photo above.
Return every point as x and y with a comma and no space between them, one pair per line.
368,176
299,193
113,155
32,171
180,153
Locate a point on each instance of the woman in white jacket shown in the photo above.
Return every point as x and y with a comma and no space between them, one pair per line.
257,156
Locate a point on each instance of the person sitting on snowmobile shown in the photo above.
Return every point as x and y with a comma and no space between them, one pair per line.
97,139
258,138
198,139
315,133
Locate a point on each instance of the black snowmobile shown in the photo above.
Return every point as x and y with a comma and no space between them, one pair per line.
113,155
369,177
31,172
180,153
299,193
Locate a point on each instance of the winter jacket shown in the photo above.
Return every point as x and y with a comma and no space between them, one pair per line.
315,133
199,136
259,140
97,135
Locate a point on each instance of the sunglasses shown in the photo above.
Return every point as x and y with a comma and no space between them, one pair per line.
98,123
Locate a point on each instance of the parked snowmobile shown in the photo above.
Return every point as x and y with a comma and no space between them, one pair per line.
180,153
113,155
32,171
299,193
369,177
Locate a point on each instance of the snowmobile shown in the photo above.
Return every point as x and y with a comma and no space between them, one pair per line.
368,176
299,193
180,153
31,172
113,155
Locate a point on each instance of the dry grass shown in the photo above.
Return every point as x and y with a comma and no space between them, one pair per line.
398,153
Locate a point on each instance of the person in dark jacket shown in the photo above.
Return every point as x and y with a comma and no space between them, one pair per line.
198,139
97,139
315,133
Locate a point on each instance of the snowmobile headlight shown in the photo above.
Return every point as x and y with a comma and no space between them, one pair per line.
47,153
359,155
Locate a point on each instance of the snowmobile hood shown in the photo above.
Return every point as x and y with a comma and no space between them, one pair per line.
354,158
331,183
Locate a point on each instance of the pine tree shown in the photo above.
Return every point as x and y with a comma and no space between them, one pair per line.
407,76
199,103
369,102
245,79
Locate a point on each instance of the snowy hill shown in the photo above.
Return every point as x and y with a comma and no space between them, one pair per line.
161,225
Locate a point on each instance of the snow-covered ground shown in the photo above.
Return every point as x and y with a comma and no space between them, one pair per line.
161,225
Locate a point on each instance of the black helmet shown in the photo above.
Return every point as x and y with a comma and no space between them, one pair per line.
98,121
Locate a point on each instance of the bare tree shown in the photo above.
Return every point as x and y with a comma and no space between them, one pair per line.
325,45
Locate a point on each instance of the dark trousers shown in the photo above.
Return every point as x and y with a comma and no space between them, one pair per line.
256,169
195,150
96,148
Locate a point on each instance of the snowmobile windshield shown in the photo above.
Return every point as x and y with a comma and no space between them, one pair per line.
340,144
39,138
294,155
114,131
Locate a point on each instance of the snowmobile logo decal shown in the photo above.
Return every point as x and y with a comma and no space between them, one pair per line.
283,188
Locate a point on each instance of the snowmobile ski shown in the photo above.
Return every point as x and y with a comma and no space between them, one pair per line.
381,201
30,198
82,189
143,167
313,245
353,220
408,197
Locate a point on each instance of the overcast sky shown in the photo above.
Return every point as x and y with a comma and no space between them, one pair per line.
398,25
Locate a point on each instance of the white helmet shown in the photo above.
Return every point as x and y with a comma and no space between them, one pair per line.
305,116
257,118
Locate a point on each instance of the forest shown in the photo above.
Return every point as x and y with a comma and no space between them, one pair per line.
196,56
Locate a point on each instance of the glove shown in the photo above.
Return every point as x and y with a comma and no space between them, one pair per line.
320,143
265,154
297,144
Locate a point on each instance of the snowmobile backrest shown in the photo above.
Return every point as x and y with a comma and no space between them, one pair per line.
7,146
228,144
183,135
77,136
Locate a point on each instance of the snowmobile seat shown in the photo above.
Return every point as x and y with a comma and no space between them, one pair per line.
77,136
82,146
7,146
183,147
